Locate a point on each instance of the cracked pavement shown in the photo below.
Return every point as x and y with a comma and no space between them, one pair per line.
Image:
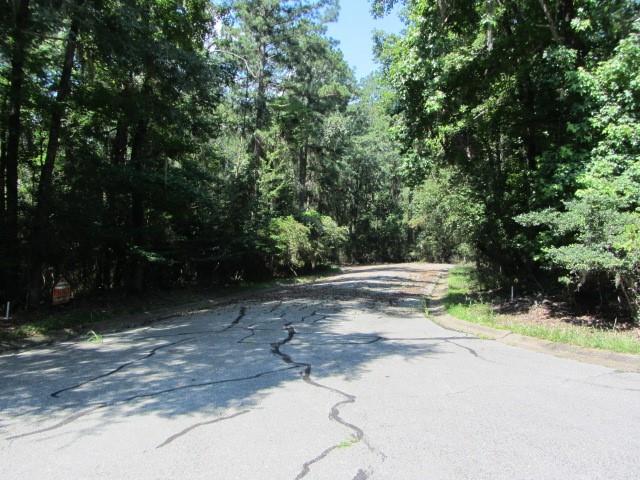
344,378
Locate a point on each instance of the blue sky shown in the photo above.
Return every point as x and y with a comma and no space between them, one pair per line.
354,32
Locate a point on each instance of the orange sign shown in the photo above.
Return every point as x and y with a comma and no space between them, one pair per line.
61,292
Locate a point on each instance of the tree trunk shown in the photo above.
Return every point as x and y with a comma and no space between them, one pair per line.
302,176
113,249
528,96
4,265
11,262
3,167
39,233
261,112
138,150
550,21
566,13
491,8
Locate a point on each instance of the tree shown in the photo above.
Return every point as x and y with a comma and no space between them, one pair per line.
490,88
158,143
597,233
445,213
40,229
10,242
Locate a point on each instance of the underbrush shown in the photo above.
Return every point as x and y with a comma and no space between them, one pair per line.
467,301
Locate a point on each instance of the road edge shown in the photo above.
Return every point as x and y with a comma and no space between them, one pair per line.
436,313
146,318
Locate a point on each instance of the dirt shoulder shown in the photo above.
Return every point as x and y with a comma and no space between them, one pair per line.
91,317
88,319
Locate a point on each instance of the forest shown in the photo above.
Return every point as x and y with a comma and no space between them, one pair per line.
162,143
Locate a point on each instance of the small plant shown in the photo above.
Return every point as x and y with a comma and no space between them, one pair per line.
93,337
350,442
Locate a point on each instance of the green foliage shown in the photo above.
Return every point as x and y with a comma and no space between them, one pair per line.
313,242
204,141
445,213
489,87
199,142
327,238
93,337
535,104
290,242
597,231
367,181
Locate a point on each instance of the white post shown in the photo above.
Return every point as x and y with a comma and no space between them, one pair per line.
6,316
512,294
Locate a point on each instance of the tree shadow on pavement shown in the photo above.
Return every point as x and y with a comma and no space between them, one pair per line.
227,358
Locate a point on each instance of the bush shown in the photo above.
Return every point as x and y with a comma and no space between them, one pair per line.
445,215
314,242
289,243
327,238
597,234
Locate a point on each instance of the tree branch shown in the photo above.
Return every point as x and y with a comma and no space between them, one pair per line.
235,55
552,24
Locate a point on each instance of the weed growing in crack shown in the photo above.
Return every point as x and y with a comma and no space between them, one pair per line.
93,337
350,442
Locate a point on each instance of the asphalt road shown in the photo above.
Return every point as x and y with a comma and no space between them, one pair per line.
342,379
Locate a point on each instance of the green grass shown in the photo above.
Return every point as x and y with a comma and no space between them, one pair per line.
93,337
348,443
464,301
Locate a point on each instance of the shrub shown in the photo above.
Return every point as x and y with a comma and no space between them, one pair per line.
315,241
444,214
327,238
289,244
597,234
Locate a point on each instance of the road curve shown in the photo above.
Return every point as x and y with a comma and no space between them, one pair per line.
344,378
